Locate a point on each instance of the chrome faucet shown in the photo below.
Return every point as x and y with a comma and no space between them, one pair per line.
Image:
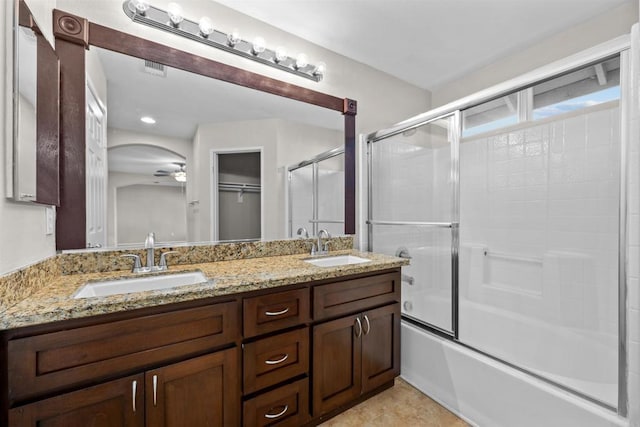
319,248
302,232
149,245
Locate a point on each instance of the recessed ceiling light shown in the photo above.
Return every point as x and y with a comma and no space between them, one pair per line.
148,120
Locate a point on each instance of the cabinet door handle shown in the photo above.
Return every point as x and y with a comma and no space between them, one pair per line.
358,327
155,390
278,415
275,362
367,324
134,389
277,313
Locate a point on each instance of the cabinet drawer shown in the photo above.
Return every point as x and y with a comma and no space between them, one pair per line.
56,361
275,359
350,296
286,406
268,313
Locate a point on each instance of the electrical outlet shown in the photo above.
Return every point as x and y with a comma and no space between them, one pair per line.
50,215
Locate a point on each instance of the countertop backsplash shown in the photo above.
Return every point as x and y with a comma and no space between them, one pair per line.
18,285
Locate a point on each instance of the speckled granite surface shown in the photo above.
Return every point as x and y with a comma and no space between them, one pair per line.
18,285
111,260
54,302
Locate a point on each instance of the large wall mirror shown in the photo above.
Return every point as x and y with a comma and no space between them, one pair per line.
177,146
32,151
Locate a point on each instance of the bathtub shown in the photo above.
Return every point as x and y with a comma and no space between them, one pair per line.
486,392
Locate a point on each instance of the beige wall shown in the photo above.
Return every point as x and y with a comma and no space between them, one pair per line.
22,227
614,23
119,137
151,208
283,143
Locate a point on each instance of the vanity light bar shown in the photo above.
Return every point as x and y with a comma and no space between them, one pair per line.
204,32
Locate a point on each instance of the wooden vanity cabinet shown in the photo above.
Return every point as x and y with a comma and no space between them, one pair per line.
108,404
276,366
197,392
182,373
289,356
360,352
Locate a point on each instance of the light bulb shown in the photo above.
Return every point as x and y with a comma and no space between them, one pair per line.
148,120
258,45
206,26
138,6
302,61
280,54
180,176
321,68
174,10
233,38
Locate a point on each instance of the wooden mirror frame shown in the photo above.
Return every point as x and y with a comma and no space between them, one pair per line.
75,34
47,191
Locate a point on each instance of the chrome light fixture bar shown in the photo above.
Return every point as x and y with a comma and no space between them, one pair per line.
204,32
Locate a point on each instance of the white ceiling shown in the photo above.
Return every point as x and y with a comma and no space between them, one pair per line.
424,42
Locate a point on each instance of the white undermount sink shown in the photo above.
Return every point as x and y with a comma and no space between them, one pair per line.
336,261
139,284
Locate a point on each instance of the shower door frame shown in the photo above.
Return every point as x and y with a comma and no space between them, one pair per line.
314,183
455,133
618,46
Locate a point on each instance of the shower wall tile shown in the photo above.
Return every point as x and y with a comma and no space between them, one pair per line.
633,292
634,357
634,321
634,267
634,397
550,187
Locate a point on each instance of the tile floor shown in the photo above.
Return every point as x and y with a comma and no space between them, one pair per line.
402,406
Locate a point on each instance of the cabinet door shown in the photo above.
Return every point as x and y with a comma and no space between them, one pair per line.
198,392
116,403
336,363
380,346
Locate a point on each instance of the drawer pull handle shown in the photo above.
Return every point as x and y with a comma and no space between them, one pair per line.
275,362
155,390
278,415
134,389
277,313
368,325
358,328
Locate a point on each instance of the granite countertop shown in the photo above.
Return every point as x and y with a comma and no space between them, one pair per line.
55,301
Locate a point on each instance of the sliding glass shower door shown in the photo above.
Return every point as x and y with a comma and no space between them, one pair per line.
413,213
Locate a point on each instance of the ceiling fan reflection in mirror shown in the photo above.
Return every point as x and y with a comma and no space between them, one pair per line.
179,174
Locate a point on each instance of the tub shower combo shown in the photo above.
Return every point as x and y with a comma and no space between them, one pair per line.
512,206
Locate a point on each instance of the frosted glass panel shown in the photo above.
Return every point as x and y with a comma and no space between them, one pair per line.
426,283
538,277
331,195
301,199
411,175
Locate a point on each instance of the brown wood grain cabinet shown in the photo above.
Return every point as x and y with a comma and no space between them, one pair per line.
108,404
289,356
286,406
360,352
198,392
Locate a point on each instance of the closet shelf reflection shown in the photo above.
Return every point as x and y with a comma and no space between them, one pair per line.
241,187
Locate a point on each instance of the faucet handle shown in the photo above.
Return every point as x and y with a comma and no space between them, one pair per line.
163,259
303,232
326,247
136,261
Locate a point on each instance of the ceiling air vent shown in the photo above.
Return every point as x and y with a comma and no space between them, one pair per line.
155,68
